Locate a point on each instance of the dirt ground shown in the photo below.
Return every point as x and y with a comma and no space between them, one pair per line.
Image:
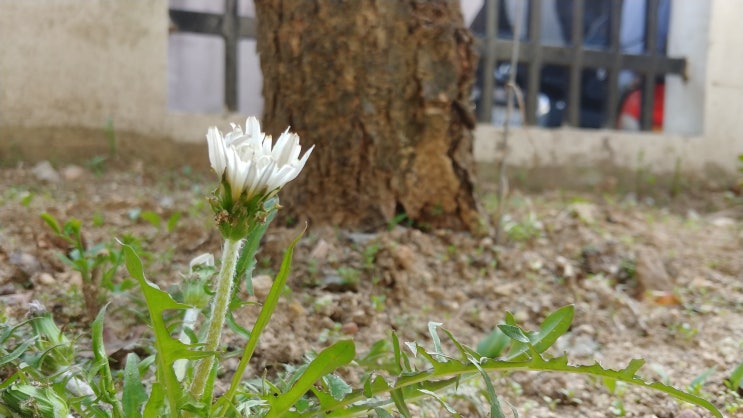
658,281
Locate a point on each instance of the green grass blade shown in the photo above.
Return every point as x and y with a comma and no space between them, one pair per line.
17,352
108,392
133,393
399,399
735,379
400,358
246,261
269,305
495,409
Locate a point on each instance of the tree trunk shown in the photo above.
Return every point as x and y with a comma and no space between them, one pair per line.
382,89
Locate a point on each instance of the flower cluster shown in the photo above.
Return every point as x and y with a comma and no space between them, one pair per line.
251,171
248,162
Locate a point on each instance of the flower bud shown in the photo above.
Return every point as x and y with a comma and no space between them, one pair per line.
29,400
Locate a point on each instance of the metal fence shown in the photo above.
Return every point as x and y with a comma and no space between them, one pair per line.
532,53
231,27
576,57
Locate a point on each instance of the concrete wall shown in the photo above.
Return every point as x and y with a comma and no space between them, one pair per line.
704,114
71,65
79,63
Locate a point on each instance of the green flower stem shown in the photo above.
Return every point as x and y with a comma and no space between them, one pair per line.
221,303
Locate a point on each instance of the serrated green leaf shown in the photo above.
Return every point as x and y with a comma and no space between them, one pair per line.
632,368
735,379
553,327
153,218
52,222
493,344
435,336
327,361
399,399
515,333
168,348
133,393
337,387
173,221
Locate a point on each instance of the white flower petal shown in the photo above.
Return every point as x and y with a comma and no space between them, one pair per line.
253,128
251,163
216,150
285,147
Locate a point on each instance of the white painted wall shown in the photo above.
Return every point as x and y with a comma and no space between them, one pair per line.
65,65
196,66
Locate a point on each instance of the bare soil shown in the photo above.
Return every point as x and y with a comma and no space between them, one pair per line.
658,281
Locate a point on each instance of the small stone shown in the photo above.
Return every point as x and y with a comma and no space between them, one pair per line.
687,413
349,328
723,222
167,202
507,289
586,212
45,172
26,263
361,237
72,172
568,271
335,283
296,309
262,285
650,272
45,279
72,278
487,242
321,250
360,317
404,256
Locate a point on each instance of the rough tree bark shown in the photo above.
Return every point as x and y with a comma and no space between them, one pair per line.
382,89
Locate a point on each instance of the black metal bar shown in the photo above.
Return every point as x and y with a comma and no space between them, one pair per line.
576,66
651,38
535,59
231,28
615,65
230,35
560,55
209,23
488,87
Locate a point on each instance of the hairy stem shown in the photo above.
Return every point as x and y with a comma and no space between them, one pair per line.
220,305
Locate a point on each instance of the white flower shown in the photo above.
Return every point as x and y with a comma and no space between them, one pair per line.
248,161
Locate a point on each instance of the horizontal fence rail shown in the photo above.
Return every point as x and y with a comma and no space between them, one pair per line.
532,54
231,27
576,57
